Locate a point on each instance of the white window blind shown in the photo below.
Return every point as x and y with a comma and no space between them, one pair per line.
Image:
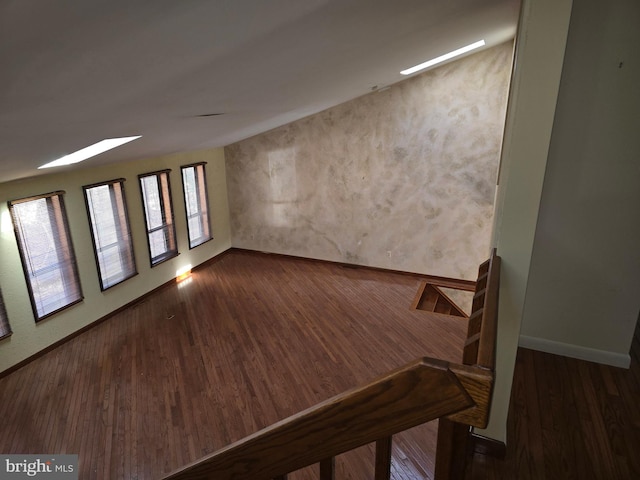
196,202
5,328
112,242
46,252
158,212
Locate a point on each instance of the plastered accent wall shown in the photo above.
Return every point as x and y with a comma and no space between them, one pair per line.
402,178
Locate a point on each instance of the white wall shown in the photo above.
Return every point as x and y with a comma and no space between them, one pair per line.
583,296
402,178
29,337
537,68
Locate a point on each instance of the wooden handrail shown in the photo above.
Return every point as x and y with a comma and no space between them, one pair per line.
477,371
421,391
459,395
476,374
487,346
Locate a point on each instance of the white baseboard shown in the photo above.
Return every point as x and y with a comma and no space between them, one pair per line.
576,351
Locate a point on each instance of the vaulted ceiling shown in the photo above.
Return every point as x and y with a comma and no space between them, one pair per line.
73,72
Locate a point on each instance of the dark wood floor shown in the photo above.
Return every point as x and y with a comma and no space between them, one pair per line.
569,419
252,339
249,340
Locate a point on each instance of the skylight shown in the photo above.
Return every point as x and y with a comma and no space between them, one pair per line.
90,151
442,58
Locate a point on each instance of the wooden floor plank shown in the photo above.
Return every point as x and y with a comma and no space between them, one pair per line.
568,419
247,341
254,338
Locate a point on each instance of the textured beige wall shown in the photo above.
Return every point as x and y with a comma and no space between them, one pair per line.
29,337
403,178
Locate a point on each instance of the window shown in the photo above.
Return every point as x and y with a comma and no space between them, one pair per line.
5,328
112,243
196,202
46,252
158,214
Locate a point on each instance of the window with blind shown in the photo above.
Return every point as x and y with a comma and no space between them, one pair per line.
194,185
112,243
5,328
46,251
158,214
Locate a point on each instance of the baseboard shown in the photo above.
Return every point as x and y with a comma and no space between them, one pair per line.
447,282
487,446
97,322
575,351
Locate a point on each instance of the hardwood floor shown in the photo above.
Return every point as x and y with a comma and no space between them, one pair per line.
252,339
247,341
569,419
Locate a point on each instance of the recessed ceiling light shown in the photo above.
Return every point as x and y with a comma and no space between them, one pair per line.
90,151
443,58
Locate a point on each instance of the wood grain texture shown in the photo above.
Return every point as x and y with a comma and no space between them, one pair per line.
431,299
383,458
142,394
328,469
417,393
477,374
478,383
569,419
247,341
480,346
451,454
351,419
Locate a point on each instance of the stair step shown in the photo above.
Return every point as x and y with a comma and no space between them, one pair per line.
442,305
431,299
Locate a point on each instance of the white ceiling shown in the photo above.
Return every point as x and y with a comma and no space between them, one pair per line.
73,72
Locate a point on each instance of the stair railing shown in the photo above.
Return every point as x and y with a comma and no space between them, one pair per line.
426,389
479,354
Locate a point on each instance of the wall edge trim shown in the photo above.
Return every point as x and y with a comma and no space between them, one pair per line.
579,352
447,282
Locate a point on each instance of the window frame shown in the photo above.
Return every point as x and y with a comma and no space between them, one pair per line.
67,268
168,220
202,198
124,238
5,326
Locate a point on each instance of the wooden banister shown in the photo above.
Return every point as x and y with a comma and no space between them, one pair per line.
383,458
487,345
476,374
328,469
459,395
417,393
